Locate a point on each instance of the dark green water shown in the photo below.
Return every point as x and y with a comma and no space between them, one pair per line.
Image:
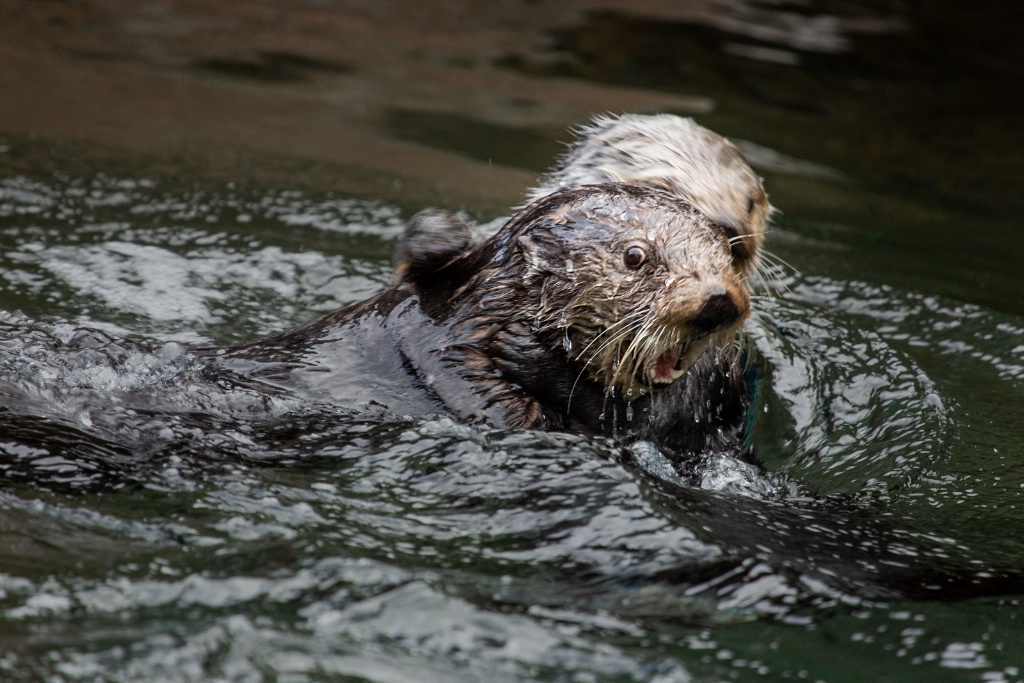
158,528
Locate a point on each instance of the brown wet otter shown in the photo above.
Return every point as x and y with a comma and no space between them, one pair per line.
603,309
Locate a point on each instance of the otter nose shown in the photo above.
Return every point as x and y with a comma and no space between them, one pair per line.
719,310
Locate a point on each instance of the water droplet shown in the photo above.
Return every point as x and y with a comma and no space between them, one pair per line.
569,267
629,412
566,342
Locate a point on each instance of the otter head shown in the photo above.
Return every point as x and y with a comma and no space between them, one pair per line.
680,157
633,284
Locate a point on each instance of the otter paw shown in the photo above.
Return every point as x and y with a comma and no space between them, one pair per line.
432,238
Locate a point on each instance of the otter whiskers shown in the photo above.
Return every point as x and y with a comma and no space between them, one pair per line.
618,331
768,271
627,364
630,351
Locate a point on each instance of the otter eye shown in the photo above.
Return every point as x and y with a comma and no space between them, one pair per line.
634,257
736,244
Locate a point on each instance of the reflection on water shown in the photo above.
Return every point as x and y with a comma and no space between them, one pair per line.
188,261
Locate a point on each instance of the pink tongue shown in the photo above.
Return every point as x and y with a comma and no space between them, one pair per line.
666,361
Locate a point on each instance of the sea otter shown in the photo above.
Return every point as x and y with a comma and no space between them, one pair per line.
609,305
604,309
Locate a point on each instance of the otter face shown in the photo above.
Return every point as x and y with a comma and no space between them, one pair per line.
633,283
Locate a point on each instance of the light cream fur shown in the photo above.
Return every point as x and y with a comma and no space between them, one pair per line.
676,155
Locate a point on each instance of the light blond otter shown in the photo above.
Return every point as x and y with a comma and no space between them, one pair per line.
678,156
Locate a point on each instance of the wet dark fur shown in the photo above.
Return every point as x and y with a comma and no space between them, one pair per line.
483,336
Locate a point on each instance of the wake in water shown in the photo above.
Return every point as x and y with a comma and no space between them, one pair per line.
147,485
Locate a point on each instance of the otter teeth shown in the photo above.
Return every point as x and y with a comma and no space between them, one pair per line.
669,366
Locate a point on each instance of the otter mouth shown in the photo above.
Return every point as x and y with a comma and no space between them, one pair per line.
637,370
676,361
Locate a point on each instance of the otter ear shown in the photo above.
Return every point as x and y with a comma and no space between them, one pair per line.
432,238
535,254
527,244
